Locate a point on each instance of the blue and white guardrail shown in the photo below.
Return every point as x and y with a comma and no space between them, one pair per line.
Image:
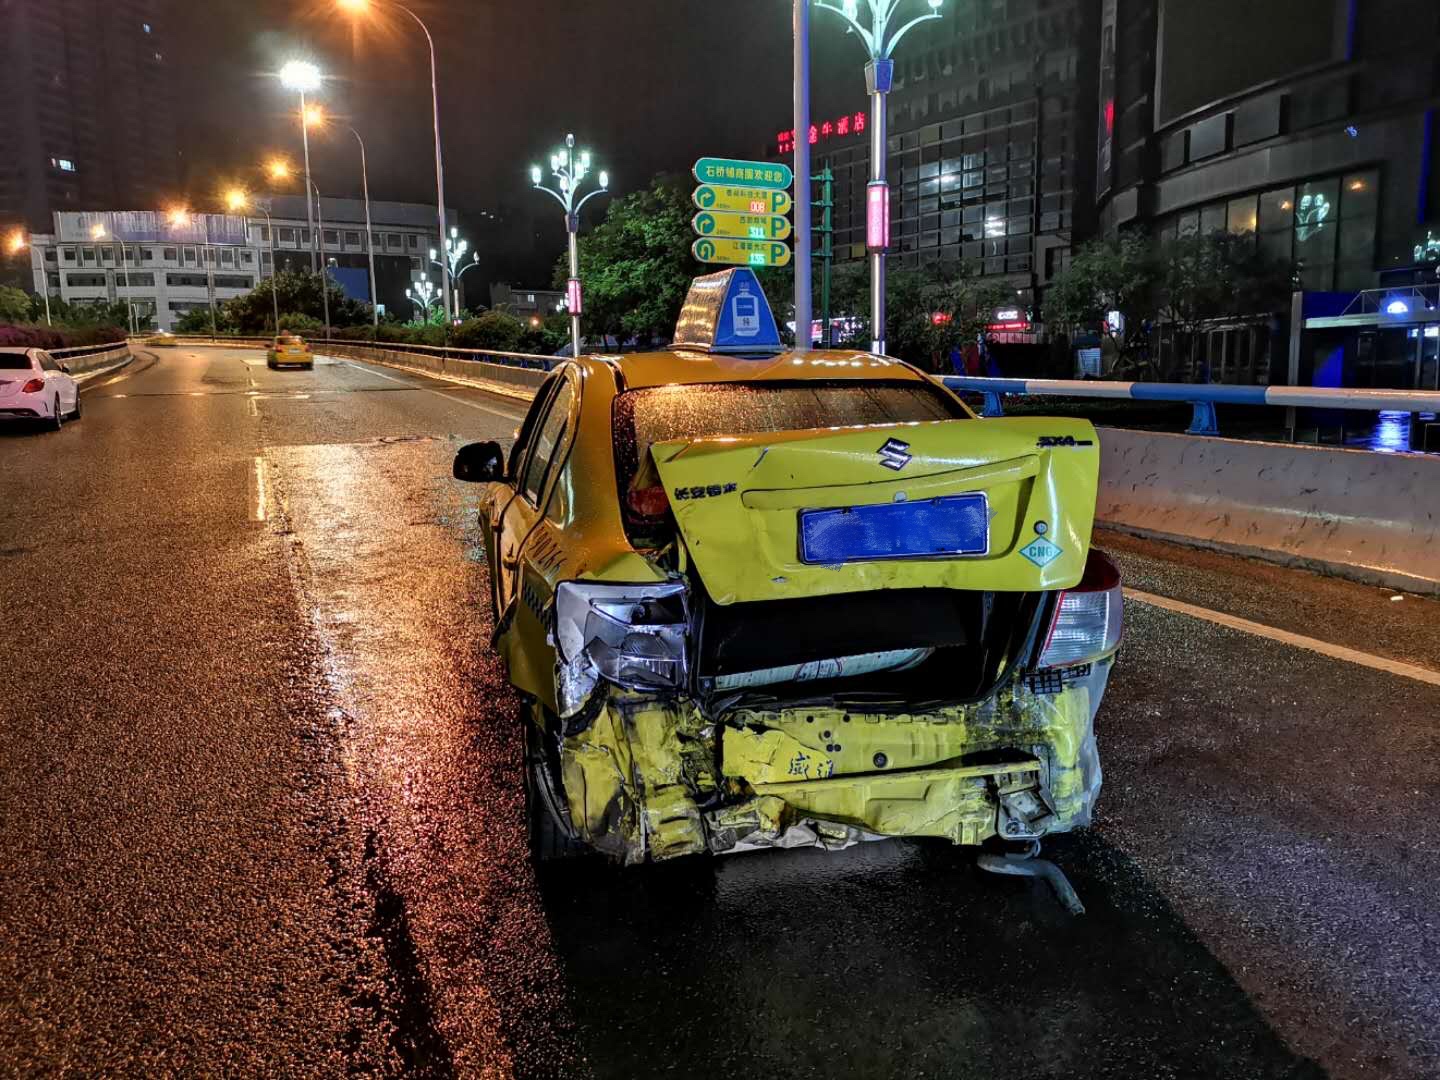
1203,397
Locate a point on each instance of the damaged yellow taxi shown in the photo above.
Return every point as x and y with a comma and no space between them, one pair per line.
760,598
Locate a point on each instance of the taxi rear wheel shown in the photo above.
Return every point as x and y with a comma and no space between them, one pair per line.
547,814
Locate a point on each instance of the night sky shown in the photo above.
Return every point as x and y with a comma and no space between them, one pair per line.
648,85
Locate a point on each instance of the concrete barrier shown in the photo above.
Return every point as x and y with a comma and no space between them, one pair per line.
517,382
1353,513
88,362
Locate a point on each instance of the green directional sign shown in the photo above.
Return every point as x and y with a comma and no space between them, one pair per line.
722,249
770,175
742,200
743,226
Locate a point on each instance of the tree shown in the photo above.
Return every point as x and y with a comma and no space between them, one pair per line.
299,294
1207,275
1115,274
495,330
14,305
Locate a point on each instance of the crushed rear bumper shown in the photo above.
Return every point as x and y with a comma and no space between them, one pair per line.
652,777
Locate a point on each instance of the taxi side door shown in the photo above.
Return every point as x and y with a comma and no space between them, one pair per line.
522,594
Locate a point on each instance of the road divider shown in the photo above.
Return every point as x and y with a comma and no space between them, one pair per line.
497,378
1358,514
92,361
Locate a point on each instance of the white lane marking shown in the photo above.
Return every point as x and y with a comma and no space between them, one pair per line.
437,393
1285,637
258,493
254,406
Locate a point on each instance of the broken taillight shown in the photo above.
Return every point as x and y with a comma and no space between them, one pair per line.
1088,618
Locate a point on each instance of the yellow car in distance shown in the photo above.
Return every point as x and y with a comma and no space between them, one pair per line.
758,598
289,350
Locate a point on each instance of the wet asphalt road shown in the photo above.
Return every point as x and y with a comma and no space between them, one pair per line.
260,805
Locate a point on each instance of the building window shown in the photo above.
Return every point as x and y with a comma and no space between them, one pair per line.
332,236
352,239
64,164
185,281
416,264
227,257
85,281
87,255
67,255
190,259
136,281
287,236
393,239
376,241
414,241
170,255
247,258
264,234
233,281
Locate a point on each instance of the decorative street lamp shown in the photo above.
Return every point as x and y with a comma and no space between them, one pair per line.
455,250
237,200
570,171
880,43
358,7
303,77
423,296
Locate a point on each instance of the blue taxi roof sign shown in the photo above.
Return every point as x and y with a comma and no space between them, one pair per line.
728,313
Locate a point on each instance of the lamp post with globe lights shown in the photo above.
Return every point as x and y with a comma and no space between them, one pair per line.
360,7
304,77
455,249
880,42
570,170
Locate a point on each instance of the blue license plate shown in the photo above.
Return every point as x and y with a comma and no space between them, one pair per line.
953,525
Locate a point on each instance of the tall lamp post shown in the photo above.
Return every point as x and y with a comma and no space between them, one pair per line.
180,217
17,243
325,263
237,201
369,234
303,77
360,6
880,43
570,171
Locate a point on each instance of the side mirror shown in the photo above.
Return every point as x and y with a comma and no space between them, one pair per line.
480,463
65,368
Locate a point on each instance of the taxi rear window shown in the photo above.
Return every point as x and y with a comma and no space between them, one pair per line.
644,417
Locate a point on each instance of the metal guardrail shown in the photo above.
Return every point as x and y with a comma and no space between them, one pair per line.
1202,397
85,350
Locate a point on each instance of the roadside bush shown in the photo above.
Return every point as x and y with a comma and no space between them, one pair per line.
495,330
297,323
47,337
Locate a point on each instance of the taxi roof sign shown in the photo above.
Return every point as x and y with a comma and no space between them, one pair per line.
727,313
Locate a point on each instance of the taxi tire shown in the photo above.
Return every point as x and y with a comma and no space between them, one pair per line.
549,840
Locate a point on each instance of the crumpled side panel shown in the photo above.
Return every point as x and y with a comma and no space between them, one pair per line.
633,776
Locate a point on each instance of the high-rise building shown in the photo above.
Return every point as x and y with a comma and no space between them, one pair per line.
991,143
1305,128
88,106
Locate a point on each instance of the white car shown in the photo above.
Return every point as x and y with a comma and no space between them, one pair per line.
36,386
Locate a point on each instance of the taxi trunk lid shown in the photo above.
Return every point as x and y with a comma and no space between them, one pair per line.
1001,505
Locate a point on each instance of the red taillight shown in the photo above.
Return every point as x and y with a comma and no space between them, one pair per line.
650,502
1089,618
34,386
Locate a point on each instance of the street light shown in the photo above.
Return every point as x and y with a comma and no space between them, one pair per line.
97,233
570,172
17,243
369,234
455,250
423,296
238,200
880,43
179,217
359,7
304,77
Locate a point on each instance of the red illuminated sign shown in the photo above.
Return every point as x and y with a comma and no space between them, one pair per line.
850,124
575,297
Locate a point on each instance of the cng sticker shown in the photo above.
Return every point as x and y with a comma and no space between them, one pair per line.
1041,551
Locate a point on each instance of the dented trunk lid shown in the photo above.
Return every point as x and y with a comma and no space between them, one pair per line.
996,505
